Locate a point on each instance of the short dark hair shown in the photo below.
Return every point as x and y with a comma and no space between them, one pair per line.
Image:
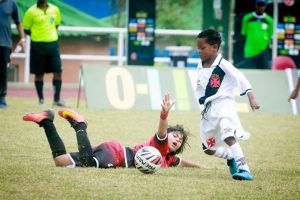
185,134
211,36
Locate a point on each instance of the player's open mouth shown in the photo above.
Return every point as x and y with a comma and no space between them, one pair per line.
174,144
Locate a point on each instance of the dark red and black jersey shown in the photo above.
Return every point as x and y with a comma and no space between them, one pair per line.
162,146
112,154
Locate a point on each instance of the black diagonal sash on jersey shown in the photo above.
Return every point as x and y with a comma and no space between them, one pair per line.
214,83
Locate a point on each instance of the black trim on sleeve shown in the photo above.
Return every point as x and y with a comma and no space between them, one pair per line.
245,92
159,140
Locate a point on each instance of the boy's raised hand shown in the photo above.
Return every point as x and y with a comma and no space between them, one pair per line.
167,103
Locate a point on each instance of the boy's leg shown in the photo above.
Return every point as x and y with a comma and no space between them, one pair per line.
228,136
84,146
244,171
45,120
226,153
220,151
56,144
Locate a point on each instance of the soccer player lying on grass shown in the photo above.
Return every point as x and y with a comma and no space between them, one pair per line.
169,140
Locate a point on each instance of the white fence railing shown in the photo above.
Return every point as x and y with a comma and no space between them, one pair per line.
120,58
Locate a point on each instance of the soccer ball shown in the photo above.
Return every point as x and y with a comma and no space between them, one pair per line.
147,160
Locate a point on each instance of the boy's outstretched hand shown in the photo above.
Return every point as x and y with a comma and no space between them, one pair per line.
253,103
167,103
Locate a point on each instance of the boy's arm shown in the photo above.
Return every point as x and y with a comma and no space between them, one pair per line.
294,93
243,83
187,163
238,76
166,106
253,103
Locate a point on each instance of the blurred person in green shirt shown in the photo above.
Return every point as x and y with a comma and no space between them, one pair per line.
257,27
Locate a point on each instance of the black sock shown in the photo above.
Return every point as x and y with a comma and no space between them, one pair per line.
56,144
57,88
84,146
39,85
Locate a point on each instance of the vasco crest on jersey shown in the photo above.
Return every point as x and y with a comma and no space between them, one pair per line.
215,81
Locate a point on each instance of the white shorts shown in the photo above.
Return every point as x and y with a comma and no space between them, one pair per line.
220,122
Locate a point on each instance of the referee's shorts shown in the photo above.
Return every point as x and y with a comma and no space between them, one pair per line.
45,58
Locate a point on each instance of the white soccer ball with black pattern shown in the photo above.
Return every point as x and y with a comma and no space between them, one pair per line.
148,160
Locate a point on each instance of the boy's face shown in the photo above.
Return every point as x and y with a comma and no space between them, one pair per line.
174,141
206,51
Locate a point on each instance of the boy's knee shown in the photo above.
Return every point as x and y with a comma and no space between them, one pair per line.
230,140
227,133
209,152
62,160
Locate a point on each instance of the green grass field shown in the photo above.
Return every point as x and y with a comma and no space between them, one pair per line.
28,172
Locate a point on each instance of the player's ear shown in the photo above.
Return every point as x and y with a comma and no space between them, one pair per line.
216,47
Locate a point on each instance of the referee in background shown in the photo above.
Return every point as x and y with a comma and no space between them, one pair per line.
41,22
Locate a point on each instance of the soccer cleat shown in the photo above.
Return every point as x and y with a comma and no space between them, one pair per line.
3,104
73,117
40,116
242,175
233,168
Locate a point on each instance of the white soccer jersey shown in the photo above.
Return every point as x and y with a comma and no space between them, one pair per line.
219,81
216,85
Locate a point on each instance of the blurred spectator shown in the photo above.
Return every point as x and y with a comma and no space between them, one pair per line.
8,11
257,27
41,22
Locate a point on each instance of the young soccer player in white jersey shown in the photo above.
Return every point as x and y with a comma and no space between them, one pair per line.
220,124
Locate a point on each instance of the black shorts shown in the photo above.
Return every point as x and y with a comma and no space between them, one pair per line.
108,155
44,58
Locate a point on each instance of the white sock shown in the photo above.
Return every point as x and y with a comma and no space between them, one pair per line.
239,157
223,153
